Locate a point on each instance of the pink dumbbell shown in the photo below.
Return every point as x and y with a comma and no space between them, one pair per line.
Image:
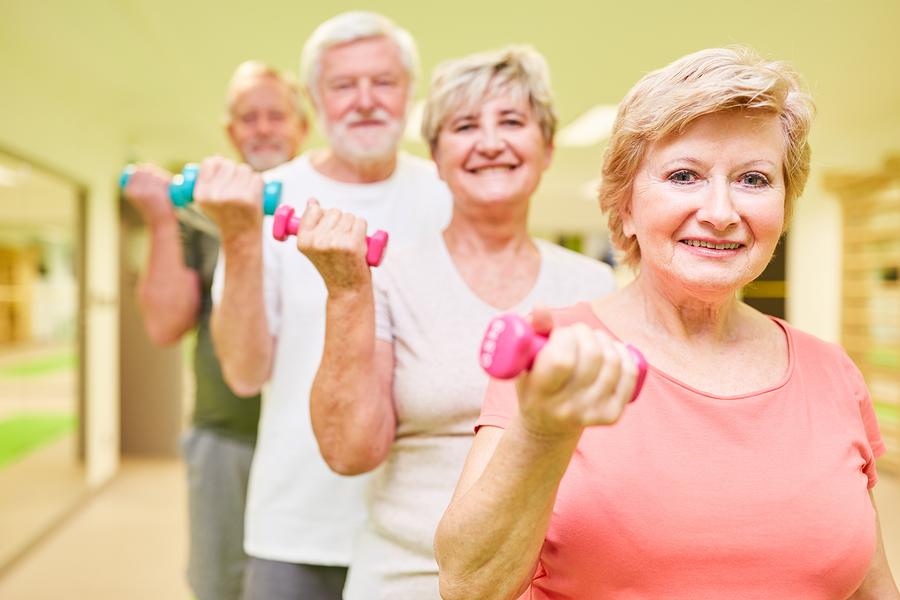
286,224
510,345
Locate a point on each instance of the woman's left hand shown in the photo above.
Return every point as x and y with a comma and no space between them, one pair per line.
335,243
581,377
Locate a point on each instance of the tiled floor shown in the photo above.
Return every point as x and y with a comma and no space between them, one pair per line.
37,493
130,542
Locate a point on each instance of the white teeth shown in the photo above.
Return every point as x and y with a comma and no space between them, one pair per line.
703,244
494,169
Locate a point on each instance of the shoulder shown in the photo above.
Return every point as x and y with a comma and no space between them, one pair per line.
419,170
571,260
829,360
416,164
411,269
291,169
580,312
573,270
806,343
414,255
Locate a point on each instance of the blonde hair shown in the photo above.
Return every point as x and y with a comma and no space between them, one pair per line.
348,27
519,70
710,81
254,70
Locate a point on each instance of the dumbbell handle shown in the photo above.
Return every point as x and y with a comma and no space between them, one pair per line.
510,346
181,190
286,224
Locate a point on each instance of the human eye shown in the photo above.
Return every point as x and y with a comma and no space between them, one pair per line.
385,82
248,118
683,176
755,179
341,84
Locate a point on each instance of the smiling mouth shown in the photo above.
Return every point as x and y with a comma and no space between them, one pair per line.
488,170
714,246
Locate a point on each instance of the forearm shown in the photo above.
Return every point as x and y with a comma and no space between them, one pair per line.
489,540
351,403
240,329
169,291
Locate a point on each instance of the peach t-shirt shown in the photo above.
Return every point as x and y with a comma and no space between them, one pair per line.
696,496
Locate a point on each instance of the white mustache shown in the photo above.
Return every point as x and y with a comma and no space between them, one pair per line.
377,114
256,143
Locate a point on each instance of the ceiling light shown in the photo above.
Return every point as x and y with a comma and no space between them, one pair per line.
589,129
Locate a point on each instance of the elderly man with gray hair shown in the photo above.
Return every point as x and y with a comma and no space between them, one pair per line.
303,520
266,125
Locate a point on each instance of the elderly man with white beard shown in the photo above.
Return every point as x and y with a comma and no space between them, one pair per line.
266,124
359,70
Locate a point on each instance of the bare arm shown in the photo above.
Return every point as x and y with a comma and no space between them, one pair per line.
879,583
230,195
489,540
169,291
351,402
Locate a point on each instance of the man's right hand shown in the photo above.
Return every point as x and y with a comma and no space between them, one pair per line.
230,194
148,191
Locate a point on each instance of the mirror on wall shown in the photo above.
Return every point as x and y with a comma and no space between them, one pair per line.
41,451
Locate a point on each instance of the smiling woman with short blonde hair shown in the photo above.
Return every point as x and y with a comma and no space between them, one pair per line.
745,467
400,387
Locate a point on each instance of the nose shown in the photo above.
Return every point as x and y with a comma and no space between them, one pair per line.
490,142
365,101
264,125
718,208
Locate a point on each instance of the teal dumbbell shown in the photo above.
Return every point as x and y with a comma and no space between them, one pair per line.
181,190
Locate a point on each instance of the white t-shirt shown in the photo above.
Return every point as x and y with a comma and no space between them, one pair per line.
436,324
298,510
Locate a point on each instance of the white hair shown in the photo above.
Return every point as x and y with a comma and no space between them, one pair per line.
254,70
348,27
520,71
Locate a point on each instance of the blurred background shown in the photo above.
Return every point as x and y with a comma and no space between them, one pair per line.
92,500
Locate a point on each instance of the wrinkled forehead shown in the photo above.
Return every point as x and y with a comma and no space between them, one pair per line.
469,99
369,56
262,90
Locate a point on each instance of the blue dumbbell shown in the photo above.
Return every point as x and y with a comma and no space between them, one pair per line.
181,190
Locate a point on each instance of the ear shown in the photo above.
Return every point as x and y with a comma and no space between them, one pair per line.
436,157
628,219
303,130
548,155
229,129
310,100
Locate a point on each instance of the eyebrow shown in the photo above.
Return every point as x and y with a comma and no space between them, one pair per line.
473,116
746,164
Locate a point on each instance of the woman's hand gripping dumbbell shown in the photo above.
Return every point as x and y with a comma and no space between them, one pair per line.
511,345
286,224
181,188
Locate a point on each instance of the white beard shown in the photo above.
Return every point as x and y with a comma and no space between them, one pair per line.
268,158
365,147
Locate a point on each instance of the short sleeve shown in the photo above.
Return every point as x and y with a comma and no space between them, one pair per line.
189,246
500,400
867,416
384,326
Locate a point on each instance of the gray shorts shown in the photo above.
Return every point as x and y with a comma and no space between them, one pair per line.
218,469
273,580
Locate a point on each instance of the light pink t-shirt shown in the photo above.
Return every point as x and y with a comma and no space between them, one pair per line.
696,496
